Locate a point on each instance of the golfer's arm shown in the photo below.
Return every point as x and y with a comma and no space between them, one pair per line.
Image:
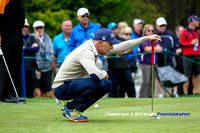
123,46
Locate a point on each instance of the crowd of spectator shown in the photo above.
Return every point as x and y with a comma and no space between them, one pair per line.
129,71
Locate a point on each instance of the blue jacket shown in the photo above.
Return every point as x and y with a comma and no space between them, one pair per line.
79,35
169,42
61,47
135,49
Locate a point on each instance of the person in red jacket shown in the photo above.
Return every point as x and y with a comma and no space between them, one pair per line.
189,40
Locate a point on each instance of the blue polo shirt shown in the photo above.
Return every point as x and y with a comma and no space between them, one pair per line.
61,47
79,34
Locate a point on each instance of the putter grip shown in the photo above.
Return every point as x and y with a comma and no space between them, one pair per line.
152,52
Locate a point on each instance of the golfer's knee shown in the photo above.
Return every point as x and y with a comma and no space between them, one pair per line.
106,85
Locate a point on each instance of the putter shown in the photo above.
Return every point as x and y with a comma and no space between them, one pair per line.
152,67
20,101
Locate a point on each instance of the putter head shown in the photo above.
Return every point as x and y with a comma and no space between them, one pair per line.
154,116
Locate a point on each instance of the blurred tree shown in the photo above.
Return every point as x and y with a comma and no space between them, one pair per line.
105,11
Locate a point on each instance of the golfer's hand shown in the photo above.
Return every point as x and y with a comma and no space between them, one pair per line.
106,77
154,38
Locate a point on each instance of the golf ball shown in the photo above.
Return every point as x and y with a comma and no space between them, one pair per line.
96,106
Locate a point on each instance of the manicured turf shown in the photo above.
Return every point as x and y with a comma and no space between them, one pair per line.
42,115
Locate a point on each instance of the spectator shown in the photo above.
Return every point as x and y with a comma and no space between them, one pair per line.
61,43
119,71
12,18
190,38
145,63
84,30
168,43
121,27
30,47
134,61
127,32
44,58
70,82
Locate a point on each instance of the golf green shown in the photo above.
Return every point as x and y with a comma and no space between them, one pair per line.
114,115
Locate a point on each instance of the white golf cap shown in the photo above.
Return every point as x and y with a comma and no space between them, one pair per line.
82,11
137,21
38,23
161,21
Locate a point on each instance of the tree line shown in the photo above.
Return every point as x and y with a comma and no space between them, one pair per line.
51,12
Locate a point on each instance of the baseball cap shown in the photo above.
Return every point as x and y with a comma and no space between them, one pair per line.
82,11
26,22
161,21
137,21
105,35
192,18
38,23
112,25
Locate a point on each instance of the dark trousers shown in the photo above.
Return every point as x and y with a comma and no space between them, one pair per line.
122,78
30,78
45,81
84,92
12,50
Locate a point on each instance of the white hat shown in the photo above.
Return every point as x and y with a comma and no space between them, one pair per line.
82,11
137,21
161,21
38,24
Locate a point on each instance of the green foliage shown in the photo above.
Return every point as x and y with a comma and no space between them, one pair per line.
51,12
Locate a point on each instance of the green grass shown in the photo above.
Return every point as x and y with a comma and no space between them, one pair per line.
42,115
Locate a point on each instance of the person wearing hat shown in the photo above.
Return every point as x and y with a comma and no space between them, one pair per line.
30,47
84,30
12,16
190,39
71,83
44,58
168,43
119,70
134,60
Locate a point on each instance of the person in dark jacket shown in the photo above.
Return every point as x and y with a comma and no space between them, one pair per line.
30,47
12,21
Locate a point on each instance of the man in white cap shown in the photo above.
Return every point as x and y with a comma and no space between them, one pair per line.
44,58
168,43
84,30
133,60
71,83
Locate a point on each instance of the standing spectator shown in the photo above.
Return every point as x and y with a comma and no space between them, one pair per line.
127,32
12,16
44,58
119,71
190,38
121,27
168,43
84,30
30,47
145,62
134,61
61,43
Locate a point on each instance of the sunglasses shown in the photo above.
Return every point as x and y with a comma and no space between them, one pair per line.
150,30
127,34
162,25
85,16
39,28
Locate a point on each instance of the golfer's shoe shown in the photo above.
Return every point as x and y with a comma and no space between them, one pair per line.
73,114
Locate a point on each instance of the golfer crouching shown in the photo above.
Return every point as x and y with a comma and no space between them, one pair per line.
70,82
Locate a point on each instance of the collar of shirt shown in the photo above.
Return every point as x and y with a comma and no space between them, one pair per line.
93,48
41,39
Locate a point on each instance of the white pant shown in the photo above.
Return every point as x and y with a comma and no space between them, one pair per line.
137,78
